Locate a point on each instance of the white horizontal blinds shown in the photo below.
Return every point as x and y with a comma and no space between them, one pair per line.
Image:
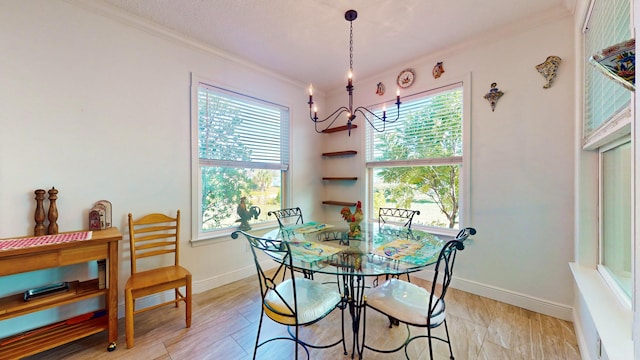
608,24
430,127
238,130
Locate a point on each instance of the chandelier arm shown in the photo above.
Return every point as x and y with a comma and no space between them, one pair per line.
336,113
372,118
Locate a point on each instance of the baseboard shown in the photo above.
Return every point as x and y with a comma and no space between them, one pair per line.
542,306
223,279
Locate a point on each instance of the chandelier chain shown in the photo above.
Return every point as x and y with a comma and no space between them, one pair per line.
351,46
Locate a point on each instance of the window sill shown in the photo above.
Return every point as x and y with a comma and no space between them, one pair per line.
225,235
613,321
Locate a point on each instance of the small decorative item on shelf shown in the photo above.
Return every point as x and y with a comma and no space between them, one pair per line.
100,215
53,212
493,96
246,214
39,229
353,219
548,69
618,62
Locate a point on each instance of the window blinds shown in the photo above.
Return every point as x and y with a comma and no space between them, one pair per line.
608,23
237,130
430,126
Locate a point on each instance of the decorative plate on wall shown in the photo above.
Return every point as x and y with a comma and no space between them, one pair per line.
406,78
618,62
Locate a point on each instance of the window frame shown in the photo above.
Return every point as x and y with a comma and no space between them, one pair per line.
198,236
610,133
604,272
464,210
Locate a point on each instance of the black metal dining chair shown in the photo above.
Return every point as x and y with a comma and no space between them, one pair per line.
287,216
413,305
396,215
289,300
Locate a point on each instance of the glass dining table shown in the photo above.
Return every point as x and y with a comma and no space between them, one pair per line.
378,251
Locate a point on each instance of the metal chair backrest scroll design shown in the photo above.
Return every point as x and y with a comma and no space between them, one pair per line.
286,216
403,216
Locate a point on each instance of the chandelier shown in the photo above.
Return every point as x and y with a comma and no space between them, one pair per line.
371,118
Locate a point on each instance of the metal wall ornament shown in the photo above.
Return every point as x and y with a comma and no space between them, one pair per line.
380,89
493,96
437,70
548,69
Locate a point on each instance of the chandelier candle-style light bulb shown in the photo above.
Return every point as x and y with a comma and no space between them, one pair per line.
371,118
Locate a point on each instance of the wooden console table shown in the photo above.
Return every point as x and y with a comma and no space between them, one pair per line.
103,244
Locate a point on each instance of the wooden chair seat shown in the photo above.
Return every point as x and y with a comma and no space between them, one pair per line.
155,280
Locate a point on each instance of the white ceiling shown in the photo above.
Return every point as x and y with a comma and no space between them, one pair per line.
308,40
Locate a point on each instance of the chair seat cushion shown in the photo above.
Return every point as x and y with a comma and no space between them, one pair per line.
406,302
154,277
315,300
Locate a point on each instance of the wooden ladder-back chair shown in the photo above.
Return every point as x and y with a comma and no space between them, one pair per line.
155,237
289,300
416,306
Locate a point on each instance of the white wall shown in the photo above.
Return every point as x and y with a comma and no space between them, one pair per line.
521,179
100,108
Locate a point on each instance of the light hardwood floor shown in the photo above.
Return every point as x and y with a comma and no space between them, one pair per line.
225,322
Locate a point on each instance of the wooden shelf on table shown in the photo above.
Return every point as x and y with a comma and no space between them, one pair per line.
14,305
338,128
340,153
339,203
341,178
48,339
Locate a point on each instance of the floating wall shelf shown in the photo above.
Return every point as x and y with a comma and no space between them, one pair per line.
341,178
339,203
340,153
338,128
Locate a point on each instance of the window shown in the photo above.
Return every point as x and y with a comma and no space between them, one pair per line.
417,162
606,129
240,147
609,23
615,224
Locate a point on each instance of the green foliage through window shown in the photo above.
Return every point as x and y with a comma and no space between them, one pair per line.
417,161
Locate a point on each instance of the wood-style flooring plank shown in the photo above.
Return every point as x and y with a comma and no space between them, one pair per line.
225,323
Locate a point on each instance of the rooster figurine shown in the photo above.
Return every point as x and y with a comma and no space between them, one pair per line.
246,214
354,219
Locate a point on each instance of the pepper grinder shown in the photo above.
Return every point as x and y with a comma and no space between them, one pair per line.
39,229
53,211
